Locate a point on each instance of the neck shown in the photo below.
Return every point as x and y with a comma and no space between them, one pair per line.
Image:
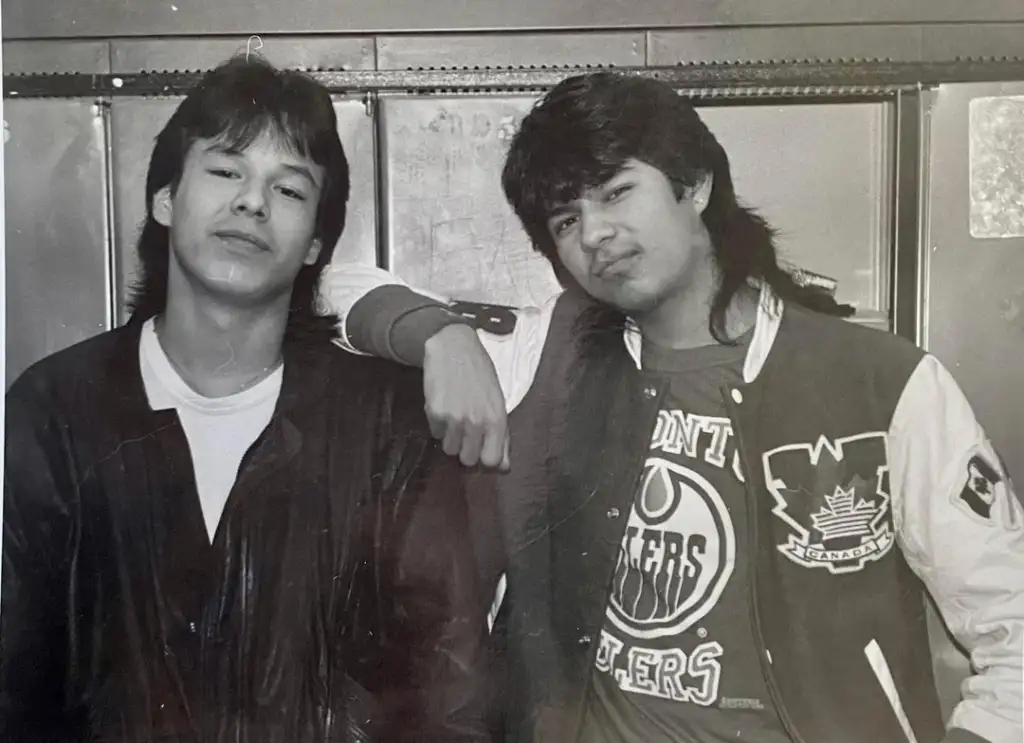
682,320
221,349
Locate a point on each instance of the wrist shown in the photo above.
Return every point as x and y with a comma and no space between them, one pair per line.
425,329
445,338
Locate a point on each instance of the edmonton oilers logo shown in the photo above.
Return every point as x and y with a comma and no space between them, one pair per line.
676,556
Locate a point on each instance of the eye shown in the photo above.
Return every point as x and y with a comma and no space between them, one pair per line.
618,192
564,225
222,172
291,193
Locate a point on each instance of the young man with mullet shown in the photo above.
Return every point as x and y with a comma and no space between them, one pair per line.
725,507
217,525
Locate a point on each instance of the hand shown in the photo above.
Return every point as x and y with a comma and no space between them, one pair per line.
465,404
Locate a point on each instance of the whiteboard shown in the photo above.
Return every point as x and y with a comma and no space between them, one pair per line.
449,228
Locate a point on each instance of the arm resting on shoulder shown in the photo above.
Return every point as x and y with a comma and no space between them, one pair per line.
472,375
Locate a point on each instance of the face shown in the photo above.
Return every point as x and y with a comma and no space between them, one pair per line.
630,242
242,224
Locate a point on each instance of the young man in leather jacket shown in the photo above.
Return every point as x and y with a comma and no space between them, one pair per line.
725,507
217,525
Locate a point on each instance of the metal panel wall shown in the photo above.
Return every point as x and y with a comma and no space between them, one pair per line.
109,18
56,57
819,173
899,43
975,286
307,52
623,49
56,227
135,124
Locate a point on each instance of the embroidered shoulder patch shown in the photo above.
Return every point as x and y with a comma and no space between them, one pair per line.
979,491
985,495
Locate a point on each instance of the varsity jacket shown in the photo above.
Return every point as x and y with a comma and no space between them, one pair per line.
337,601
832,419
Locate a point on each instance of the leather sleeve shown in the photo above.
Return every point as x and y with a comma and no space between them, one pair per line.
37,547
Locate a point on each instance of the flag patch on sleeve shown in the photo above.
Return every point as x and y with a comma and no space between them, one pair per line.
979,491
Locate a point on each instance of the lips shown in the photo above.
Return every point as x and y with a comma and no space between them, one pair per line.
609,267
241,236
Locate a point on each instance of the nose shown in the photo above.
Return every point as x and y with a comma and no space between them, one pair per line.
251,200
595,227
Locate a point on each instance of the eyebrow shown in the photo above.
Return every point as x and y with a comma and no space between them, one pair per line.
561,210
303,171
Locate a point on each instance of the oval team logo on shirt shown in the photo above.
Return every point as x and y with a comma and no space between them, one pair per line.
676,556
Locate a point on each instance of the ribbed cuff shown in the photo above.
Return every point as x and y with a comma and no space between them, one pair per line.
395,323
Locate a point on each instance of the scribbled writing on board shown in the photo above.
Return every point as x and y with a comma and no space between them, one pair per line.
449,227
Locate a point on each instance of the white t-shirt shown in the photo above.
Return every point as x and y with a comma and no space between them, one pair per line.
219,430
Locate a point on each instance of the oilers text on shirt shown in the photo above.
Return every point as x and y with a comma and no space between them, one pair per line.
676,557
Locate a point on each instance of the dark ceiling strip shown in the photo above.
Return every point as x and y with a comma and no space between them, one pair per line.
742,79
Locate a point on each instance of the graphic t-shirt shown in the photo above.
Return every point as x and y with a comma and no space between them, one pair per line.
677,659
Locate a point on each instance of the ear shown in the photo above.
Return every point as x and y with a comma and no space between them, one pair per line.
701,193
314,252
163,208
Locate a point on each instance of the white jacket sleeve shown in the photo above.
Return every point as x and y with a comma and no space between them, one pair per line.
516,356
961,528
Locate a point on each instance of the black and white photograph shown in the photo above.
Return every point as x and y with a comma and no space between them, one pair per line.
463,371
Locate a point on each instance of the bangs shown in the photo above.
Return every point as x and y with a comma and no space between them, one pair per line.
237,134
241,119
562,174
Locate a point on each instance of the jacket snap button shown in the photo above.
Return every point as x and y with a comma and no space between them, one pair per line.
737,396
585,640
613,513
650,393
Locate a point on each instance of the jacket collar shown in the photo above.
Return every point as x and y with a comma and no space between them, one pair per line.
766,328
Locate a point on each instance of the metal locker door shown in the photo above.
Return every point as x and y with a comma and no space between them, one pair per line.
135,125
58,266
974,317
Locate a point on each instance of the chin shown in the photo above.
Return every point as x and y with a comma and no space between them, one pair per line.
630,300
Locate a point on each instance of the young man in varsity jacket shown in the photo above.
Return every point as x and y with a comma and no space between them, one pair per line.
725,507
218,526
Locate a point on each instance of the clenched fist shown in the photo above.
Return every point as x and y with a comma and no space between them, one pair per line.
465,405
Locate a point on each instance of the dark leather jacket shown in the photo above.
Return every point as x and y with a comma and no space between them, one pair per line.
337,602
